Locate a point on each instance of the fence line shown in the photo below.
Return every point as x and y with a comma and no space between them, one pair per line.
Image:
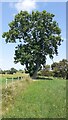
12,80
12,83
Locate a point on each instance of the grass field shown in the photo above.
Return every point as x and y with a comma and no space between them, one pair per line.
42,98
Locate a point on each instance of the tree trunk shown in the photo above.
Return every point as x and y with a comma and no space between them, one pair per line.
67,76
34,76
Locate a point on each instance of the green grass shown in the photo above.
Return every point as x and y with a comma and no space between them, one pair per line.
36,99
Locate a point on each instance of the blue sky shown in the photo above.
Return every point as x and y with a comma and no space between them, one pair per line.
8,12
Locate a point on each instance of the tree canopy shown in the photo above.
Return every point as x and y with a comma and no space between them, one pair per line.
40,34
60,69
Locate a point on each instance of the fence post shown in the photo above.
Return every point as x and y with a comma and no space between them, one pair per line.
12,80
18,77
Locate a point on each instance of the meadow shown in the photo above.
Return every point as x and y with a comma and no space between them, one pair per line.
27,98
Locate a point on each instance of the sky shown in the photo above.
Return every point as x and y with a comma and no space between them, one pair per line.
10,9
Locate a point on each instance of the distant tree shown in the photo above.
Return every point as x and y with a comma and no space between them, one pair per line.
46,71
47,67
67,74
1,71
41,36
5,71
60,69
20,70
64,69
12,70
54,65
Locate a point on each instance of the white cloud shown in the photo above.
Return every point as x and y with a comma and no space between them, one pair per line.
25,5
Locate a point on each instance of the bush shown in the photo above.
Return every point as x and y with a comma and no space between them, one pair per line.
45,73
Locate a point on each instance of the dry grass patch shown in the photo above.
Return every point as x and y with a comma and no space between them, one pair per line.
12,91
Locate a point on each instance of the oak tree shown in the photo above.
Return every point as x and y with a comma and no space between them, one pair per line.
41,36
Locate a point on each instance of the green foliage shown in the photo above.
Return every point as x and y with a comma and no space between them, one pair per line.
11,71
21,71
1,71
47,67
60,69
38,35
45,73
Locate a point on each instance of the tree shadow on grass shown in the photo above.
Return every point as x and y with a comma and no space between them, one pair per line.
44,78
